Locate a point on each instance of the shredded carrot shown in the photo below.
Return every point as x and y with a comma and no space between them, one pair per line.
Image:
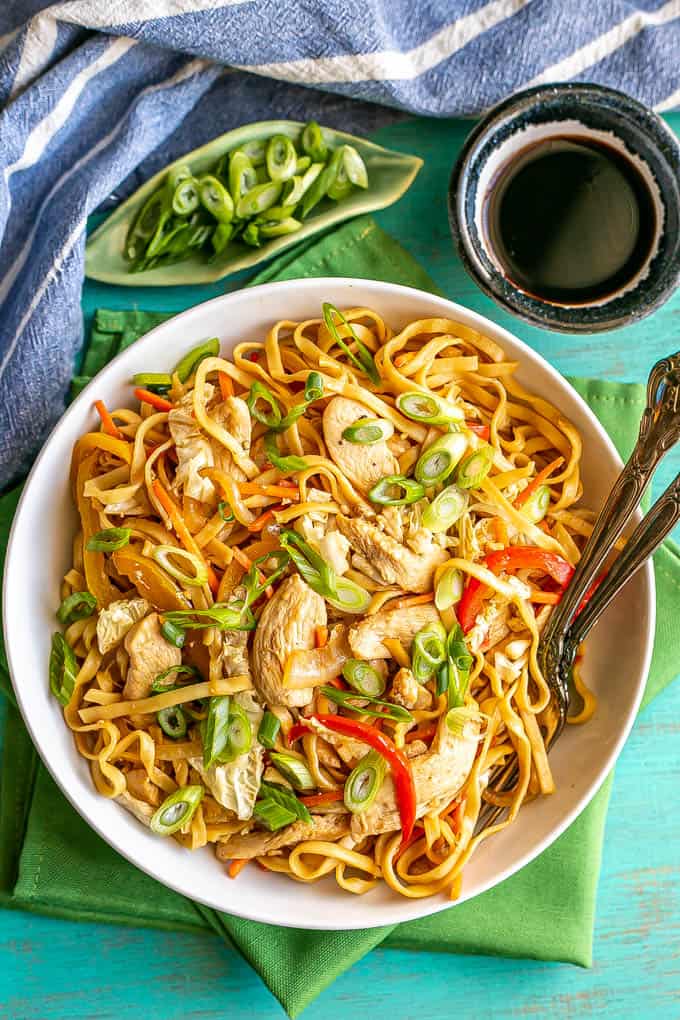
426,733
160,403
500,531
483,431
108,424
412,600
338,683
226,385
545,598
259,522
320,637
182,531
541,477
403,359
417,834
277,491
328,797
236,866
245,561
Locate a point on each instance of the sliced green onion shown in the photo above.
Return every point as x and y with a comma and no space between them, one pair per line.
536,506
303,163
144,225
258,199
316,191
459,661
428,408
318,574
255,150
292,769
176,810
364,782
364,678
286,798
475,468
185,199
269,730
428,652
223,615
225,512
109,540
386,492
163,554
172,721
350,597
340,185
251,582
363,359
281,158
239,734
157,382
272,815
349,699
354,166
215,729
192,359
215,198
442,679
63,669
159,685
242,175
258,391
77,606
298,186
222,235
449,589
282,463
445,509
366,431
173,634
313,142
269,225
176,176
313,387
457,717
440,458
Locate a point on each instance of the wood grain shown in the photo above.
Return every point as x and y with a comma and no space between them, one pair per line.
52,970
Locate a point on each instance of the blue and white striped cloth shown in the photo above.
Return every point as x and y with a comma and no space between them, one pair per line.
92,91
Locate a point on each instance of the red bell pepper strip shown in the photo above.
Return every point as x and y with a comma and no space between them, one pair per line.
395,758
514,557
479,429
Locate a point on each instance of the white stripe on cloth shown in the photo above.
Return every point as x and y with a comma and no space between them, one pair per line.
54,271
607,43
187,71
392,65
45,130
125,12
38,45
669,102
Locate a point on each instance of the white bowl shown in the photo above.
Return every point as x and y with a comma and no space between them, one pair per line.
616,665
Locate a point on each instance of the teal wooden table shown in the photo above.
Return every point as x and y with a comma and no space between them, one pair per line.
53,970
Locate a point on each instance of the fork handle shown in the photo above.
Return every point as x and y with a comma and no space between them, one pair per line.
646,538
659,430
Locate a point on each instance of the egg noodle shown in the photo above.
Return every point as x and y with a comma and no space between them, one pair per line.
224,598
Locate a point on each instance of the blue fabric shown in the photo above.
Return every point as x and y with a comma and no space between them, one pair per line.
96,96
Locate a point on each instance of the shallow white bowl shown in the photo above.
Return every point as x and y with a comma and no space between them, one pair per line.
616,665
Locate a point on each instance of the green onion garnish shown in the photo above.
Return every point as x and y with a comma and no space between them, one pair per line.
215,198
317,191
173,634
77,606
225,512
428,651
354,167
185,198
440,458
269,730
536,506
224,616
313,143
281,795
364,782
226,732
163,554
363,359
176,810
159,684
63,669
428,408
191,360
313,391
271,418
281,158
459,660
255,150
172,721
350,597
348,699
272,815
318,574
458,716
157,382
363,678
449,589
292,769
367,431
445,509
386,492
442,679
242,175
109,540
258,199
283,463
475,468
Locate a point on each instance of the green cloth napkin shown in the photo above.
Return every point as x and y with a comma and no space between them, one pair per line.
53,863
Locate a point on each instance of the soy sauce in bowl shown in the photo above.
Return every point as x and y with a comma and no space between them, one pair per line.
571,220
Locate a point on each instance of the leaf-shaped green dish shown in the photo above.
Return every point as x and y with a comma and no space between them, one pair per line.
389,175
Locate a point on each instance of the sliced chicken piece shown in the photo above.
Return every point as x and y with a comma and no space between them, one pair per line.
437,775
334,548
194,451
142,811
288,622
415,749
140,786
366,639
235,653
393,562
258,844
405,688
150,654
364,465
117,619
350,751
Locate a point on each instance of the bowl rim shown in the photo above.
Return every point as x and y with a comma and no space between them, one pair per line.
398,910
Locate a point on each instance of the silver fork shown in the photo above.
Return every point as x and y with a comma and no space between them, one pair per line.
566,628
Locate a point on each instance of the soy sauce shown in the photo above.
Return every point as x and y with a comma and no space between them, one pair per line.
571,220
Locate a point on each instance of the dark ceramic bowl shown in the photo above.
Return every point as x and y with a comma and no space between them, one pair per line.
578,111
